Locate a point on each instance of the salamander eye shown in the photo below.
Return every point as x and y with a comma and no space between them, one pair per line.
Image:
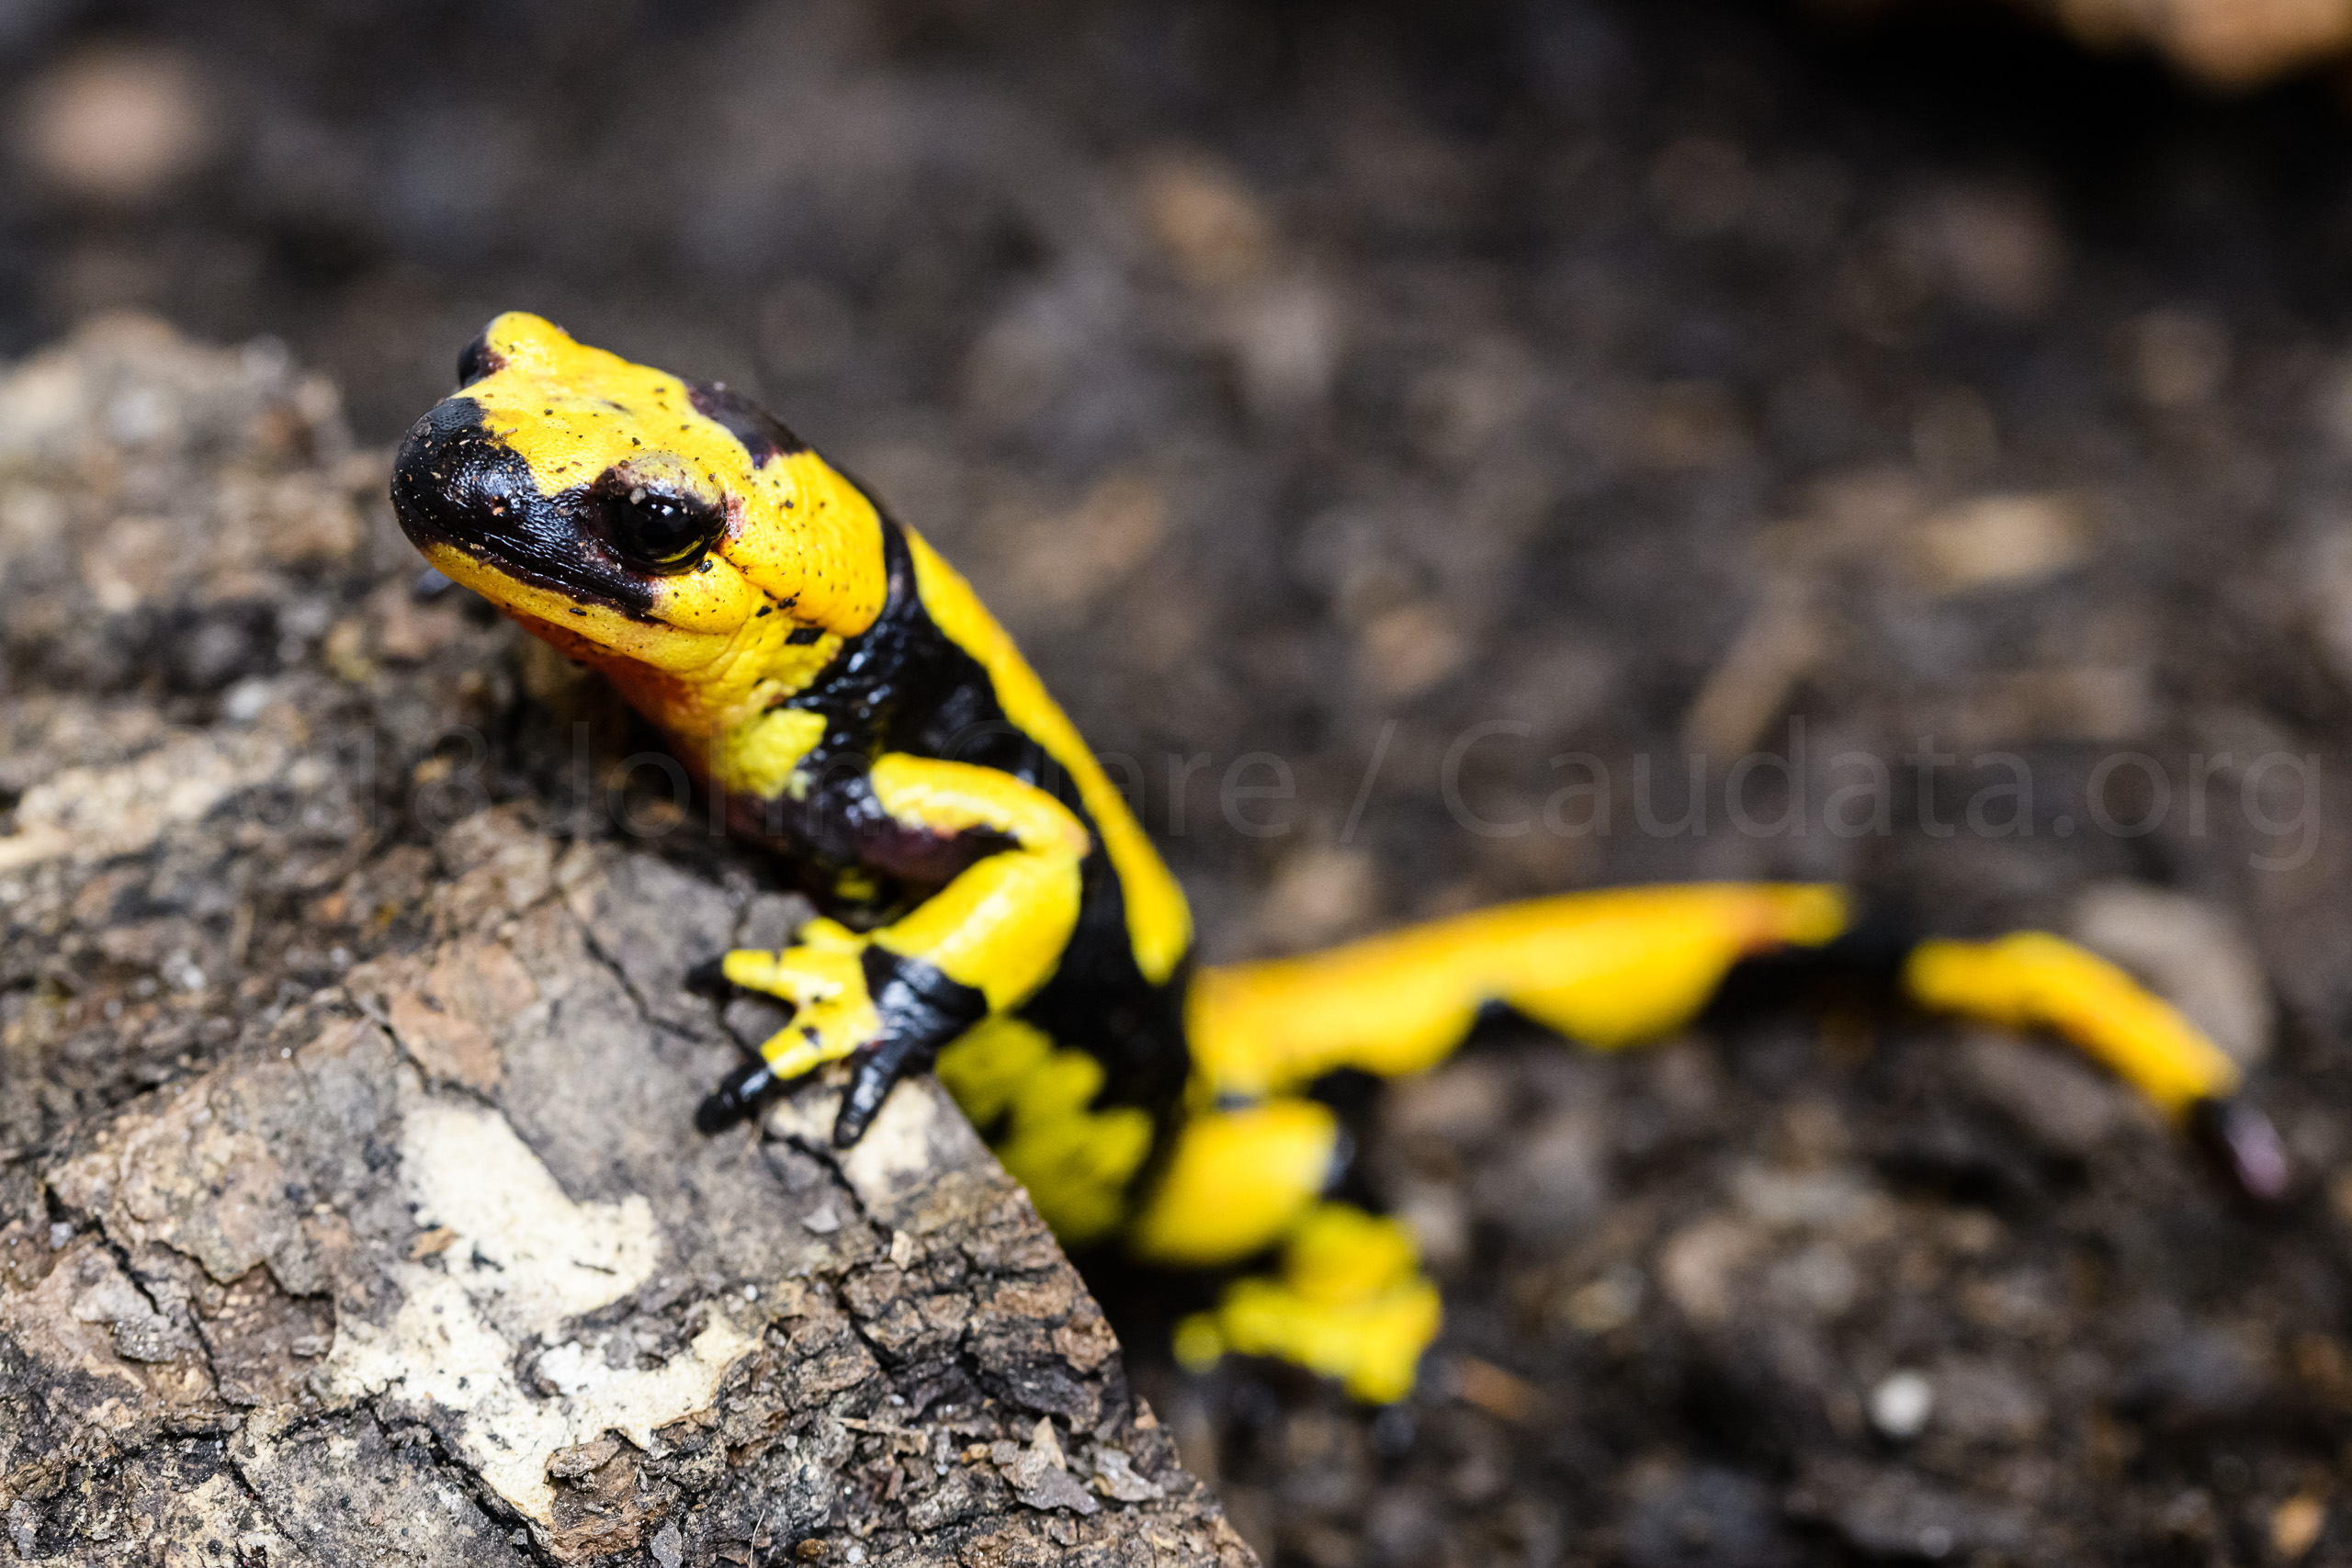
653,529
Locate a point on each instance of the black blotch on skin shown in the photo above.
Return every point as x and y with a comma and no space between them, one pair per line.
801,637
920,1008
915,997
904,685
454,483
476,360
762,434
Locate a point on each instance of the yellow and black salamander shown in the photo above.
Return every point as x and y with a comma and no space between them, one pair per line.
846,699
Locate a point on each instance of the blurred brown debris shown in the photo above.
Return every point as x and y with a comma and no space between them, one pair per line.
117,126
2227,43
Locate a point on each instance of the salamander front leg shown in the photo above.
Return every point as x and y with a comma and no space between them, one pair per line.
822,977
979,946
851,997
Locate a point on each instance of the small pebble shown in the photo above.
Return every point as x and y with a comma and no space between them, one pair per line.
1901,1404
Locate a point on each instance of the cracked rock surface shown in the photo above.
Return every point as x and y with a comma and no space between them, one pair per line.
350,1208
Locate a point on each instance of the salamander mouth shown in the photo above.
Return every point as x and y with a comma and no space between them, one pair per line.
456,484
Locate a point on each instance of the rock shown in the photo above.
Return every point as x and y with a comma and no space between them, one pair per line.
2200,1375
570,1464
1556,1180
1065,561
1211,229
2065,1102
2192,952
2296,1524
1784,640
1318,894
2180,358
1115,1473
357,1155
1040,1476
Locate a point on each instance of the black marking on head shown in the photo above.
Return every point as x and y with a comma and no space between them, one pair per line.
455,483
477,359
762,433
801,637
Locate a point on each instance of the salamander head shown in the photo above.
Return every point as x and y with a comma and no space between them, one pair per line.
635,519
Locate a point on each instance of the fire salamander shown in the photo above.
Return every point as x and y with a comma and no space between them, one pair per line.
846,699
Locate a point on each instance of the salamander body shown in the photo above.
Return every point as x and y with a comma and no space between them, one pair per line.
1003,918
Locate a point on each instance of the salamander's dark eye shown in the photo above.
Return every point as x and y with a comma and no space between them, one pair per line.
476,360
653,529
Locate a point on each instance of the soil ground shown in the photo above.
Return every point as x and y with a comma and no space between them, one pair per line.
1944,438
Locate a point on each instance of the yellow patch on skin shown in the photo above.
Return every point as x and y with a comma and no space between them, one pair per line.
798,531
823,976
999,928
2032,979
1001,925
714,650
984,1066
1235,1183
1349,1303
1609,968
1077,1167
759,757
709,691
1075,1162
1159,923
955,798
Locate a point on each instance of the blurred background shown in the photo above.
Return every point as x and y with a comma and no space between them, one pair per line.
1961,388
